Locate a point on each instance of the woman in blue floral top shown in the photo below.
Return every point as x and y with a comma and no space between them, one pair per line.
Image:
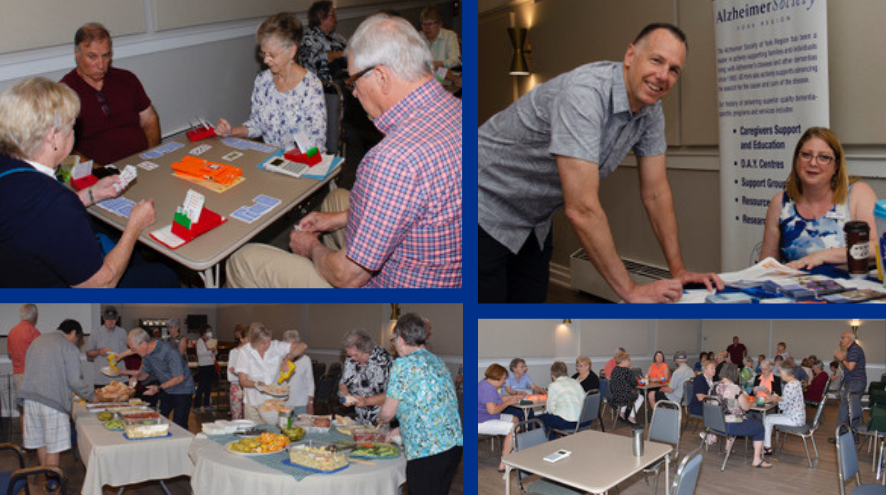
286,99
421,395
793,408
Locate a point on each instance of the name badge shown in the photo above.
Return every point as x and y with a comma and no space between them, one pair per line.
837,215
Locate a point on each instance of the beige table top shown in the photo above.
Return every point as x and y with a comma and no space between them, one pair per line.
599,461
111,459
169,192
218,471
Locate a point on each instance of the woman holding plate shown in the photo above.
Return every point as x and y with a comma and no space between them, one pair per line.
258,364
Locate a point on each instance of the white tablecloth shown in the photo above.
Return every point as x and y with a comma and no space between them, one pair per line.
218,472
113,460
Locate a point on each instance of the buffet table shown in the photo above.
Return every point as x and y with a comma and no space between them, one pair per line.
111,459
218,471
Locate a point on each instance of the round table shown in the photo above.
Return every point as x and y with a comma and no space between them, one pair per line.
218,471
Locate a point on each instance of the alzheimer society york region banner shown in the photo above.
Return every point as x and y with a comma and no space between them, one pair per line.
772,80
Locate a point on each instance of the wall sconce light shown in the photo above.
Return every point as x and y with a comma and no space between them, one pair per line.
567,322
855,324
519,65
395,311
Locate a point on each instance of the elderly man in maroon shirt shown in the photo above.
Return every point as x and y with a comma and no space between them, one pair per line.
116,116
737,352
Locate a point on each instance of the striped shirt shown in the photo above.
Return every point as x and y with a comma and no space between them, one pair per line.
565,397
582,114
404,221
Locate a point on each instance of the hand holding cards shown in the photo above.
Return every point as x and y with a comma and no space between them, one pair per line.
128,175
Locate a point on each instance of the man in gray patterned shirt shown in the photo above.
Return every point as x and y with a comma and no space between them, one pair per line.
553,146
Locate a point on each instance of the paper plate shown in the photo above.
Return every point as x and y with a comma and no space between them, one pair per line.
107,370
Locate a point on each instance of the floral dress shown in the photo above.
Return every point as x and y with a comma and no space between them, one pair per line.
276,116
368,380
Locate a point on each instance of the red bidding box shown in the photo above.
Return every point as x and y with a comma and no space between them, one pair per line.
208,221
83,182
198,133
294,155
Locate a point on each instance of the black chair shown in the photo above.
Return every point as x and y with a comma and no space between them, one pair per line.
319,370
15,481
335,111
324,394
590,412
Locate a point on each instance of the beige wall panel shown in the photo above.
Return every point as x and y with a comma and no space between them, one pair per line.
602,337
497,89
506,339
699,122
822,337
40,23
856,67
446,326
754,334
172,14
678,335
328,323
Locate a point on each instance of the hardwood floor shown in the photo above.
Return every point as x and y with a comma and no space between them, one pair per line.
790,474
10,431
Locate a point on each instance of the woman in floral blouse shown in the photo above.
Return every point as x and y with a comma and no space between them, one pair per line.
793,408
622,384
365,375
286,98
737,404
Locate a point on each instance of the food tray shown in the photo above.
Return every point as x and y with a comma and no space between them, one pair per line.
167,435
105,424
357,455
287,462
251,454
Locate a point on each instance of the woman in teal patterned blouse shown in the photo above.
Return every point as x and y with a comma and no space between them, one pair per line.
421,394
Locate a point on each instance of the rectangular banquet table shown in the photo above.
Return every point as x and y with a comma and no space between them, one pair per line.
111,459
599,461
218,471
208,251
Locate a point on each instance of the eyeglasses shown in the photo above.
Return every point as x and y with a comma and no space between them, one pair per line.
104,103
429,23
821,159
351,82
264,55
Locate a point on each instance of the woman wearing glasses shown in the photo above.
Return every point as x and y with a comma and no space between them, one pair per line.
287,99
804,224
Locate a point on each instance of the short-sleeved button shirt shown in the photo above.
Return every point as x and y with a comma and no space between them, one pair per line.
367,380
428,408
582,114
405,215
165,363
855,354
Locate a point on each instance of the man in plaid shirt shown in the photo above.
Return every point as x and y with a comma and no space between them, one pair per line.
402,222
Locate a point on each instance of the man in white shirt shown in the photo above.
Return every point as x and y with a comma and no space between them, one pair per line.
109,339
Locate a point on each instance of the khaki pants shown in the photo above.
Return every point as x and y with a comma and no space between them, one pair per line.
263,266
251,412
